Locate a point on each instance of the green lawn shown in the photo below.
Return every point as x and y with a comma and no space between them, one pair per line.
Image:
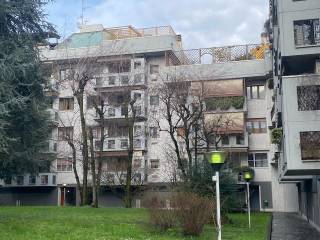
41,223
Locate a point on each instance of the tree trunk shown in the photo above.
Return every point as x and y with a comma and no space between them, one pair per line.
128,192
85,164
74,167
93,172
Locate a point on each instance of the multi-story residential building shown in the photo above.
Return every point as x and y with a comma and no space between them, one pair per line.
132,62
295,35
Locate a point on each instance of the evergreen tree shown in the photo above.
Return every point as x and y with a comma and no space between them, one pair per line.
23,117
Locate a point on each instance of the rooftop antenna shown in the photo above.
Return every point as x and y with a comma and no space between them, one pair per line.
82,11
81,20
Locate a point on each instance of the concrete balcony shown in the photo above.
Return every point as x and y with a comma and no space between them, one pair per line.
120,145
301,128
40,180
51,147
118,113
121,81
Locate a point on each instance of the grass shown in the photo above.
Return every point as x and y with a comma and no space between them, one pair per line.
53,223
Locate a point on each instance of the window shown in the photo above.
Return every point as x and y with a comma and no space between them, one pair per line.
308,98
111,112
137,130
154,100
240,139
309,145
20,180
138,110
111,144
119,66
124,79
112,80
258,160
154,132
65,74
137,78
124,110
306,32
66,104
32,180
44,179
96,132
65,133
154,69
92,101
54,179
8,180
225,140
137,163
64,164
137,143
97,144
154,163
256,125
137,96
137,178
124,143
137,65
256,92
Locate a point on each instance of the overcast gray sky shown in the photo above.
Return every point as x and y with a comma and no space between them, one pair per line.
202,23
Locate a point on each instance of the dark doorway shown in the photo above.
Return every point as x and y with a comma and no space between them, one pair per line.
68,196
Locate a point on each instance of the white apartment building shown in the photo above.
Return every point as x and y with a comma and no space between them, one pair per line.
135,61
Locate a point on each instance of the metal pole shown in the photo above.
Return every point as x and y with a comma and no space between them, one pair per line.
64,197
218,205
248,194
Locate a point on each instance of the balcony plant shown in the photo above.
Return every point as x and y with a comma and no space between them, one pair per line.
224,103
276,136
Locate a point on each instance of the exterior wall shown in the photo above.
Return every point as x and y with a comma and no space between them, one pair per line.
290,11
296,122
29,196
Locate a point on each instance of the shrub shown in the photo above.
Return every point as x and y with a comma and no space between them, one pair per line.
162,219
193,212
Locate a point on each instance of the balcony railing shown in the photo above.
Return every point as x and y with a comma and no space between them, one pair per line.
121,144
120,112
216,54
120,80
54,116
130,32
51,146
42,179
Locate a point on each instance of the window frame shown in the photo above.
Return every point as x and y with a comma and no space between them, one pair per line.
265,162
66,104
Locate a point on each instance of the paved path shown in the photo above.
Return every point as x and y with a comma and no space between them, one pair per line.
290,226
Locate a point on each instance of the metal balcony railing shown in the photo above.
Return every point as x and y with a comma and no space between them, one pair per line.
216,54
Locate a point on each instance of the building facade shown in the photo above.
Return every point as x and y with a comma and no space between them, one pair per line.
295,35
130,63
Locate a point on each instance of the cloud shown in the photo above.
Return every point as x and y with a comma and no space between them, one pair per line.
202,23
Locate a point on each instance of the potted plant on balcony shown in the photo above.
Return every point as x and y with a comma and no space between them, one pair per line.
276,136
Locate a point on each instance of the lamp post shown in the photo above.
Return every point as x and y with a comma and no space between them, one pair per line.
217,159
248,176
64,194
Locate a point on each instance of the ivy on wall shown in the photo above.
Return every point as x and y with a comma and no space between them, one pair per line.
276,136
224,103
